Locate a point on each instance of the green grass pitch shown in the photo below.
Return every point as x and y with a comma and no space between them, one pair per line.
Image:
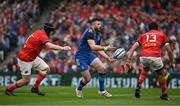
66,96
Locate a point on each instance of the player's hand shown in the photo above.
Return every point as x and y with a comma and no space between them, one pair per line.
110,48
67,48
111,59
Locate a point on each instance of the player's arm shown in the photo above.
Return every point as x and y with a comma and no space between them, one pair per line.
130,55
95,47
105,56
131,51
56,47
170,54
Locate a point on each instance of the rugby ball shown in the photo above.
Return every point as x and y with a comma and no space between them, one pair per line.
119,53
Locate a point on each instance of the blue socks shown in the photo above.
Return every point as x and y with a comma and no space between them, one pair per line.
81,85
101,82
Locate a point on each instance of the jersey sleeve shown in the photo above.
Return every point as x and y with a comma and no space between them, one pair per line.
139,40
44,38
165,39
99,41
89,35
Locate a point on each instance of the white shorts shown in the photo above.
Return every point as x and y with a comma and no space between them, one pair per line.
154,63
38,64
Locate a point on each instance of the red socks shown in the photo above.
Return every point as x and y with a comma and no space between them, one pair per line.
163,87
40,77
12,87
142,76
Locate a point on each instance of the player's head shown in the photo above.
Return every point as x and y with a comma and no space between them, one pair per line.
48,28
97,24
153,25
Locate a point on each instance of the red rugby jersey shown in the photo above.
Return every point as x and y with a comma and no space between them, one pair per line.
151,43
33,46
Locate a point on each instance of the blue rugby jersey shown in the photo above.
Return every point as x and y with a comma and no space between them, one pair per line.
84,47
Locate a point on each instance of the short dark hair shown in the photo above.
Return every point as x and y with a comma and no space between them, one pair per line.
95,19
153,25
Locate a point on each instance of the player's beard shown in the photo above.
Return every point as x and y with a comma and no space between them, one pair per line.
98,30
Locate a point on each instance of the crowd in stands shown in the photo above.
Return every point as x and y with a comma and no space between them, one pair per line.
16,19
124,21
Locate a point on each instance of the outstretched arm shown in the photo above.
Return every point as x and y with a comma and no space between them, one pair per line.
130,55
56,47
105,56
170,54
131,51
95,47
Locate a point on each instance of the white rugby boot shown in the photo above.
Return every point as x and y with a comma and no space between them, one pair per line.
105,93
79,93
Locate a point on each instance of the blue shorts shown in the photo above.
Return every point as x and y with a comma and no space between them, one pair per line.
83,61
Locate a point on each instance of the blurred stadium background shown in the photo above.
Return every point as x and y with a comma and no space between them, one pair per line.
123,21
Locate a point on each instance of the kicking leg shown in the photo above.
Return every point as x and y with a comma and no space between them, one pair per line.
141,78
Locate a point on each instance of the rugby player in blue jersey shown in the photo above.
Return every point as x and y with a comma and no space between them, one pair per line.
85,57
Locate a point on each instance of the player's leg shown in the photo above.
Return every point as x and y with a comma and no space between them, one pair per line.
158,67
163,84
99,66
84,69
86,78
25,68
24,81
142,76
43,69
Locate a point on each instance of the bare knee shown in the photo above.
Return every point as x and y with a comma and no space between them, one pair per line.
102,70
87,80
26,80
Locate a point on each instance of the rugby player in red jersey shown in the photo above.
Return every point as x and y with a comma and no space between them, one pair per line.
28,58
150,56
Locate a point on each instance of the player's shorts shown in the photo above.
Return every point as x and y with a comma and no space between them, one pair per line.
83,61
154,63
26,67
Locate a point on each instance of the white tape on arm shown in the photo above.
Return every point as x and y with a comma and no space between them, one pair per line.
166,44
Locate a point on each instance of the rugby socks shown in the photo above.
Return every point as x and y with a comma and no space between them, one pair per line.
162,83
101,82
13,86
40,77
142,77
81,85
163,87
